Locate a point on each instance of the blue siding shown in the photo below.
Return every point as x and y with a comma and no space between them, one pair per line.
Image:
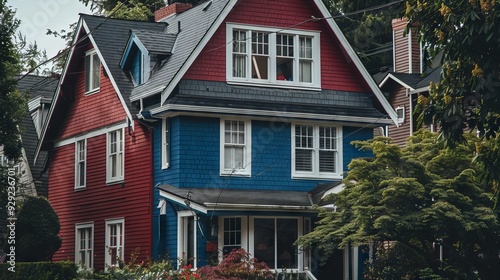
194,162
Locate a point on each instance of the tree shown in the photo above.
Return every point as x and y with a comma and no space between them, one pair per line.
467,97
37,230
367,27
419,198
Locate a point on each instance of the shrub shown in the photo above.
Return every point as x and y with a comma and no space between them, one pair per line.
235,266
64,270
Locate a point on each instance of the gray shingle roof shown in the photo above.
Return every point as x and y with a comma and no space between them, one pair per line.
38,86
194,23
410,79
156,42
434,76
111,37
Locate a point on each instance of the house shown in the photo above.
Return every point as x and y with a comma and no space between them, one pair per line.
39,90
407,80
217,127
99,169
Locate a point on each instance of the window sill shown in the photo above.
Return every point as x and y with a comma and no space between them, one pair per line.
87,93
282,85
115,182
78,189
318,176
235,174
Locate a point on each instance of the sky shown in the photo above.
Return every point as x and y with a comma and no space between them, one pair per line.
39,15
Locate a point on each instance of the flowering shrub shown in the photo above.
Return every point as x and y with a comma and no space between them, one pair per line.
237,265
186,274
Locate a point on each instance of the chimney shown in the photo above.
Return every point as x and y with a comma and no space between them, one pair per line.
171,9
407,51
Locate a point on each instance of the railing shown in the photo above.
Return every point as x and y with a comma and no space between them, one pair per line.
294,275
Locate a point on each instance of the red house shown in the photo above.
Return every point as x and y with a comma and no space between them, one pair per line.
99,169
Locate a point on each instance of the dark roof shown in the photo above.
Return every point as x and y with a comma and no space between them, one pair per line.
434,76
156,42
410,79
111,37
193,23
35,86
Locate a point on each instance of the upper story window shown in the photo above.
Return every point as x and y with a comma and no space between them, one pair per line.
316,151
273,57
92,71
80,163
115,156
235,147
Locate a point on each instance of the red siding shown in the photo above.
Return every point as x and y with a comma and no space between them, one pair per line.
398,98
337,72
88,112
98,202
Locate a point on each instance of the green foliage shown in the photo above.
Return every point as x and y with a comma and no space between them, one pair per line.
39,271
135,11
235,266
467,32
419,197
37,229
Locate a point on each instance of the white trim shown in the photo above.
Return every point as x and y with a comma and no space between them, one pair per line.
410,55
394,50
246,170
243,206
315,173
120,154
410,97
192,57
401,119
182,228
77,161
107,258
419,90
89,134
271,81
165,144
391,76
244,233
91,53
111,78
195,206
78,227
275,114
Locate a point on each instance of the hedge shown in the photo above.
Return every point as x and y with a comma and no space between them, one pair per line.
64,270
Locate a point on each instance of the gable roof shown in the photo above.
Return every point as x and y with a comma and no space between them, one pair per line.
200,23
156,42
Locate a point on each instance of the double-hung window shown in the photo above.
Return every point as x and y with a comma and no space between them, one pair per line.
115,232
84,245
316,151
92,71
273,57
235,147
80,163
115,156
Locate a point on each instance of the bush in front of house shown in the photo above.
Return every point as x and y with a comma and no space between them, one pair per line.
63,270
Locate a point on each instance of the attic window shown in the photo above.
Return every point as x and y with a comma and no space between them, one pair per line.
273,57
92,71
400,111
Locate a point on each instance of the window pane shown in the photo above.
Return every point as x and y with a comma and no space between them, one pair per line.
327,161
303,160
305,71
284,69
287,232
239,65
96,71
305,44
87,73
264,235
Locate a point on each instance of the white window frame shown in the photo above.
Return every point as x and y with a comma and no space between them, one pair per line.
272,80
246,169
165,147
120,248
182,236
120,156
90,69
402,110
79,159
244,233
89,252
315,173
300,232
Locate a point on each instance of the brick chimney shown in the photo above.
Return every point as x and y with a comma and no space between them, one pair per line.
407,52
171,9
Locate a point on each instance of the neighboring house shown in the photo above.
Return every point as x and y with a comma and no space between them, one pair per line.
218,127
407,80
39,90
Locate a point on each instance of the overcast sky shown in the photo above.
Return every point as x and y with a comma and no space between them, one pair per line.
39,15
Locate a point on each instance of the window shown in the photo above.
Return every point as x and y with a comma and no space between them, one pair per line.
84,245
115,230
115,160
269,56
273,242
165,154
235,147
400,111
80,163
316,151
92,71
187,237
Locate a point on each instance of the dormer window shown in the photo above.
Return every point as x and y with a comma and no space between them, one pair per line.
92,72
273,57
